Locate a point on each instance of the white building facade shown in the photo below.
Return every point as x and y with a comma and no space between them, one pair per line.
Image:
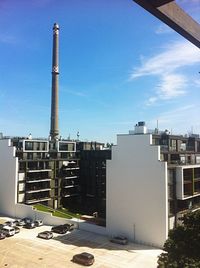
8,177
137,191
151,181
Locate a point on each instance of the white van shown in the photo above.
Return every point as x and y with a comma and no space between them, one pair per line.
8,231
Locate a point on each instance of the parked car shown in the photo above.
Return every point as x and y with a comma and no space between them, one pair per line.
23,222
2,235
83,258
45,235
122,240
27,220
59,229
8,231
38,223
30,225
16,222
17,229
1,226
70,226
10,223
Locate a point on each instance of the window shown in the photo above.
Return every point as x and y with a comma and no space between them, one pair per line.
173,145
29,155
66,146
28,145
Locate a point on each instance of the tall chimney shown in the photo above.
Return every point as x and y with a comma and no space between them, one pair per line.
54,132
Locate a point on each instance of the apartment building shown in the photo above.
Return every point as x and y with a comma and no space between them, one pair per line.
57,173
48,171
152,179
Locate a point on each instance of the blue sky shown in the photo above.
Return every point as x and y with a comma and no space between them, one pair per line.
118,65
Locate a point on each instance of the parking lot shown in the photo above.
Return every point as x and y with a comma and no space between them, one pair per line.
25,250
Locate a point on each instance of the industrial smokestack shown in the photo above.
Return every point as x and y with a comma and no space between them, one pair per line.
54,132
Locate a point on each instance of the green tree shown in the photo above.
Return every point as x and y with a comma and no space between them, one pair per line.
182,248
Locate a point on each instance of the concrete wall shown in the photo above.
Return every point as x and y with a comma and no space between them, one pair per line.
22,211
8,177
137,202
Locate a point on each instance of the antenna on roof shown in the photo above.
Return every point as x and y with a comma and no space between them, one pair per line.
78,135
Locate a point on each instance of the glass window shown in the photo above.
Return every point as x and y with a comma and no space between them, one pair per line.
28,145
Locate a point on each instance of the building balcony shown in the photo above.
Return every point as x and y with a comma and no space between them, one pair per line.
70,186
70,168
38,190
33,170
164,148
37,180
70,177
32,201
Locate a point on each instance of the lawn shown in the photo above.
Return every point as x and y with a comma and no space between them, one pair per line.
62,213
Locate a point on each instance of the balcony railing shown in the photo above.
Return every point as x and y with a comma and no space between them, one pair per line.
70,186
70,177
70,168
36,180
32,201
38,190
34,170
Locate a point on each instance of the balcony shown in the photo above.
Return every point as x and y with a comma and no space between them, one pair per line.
70,186
32,201
190,148
33,170
70,168
36,180
38,190
164,148
70,177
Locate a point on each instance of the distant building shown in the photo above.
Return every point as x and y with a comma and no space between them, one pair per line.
151,180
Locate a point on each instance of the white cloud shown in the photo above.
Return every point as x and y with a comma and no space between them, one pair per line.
172,85
167,67
163,29
175,56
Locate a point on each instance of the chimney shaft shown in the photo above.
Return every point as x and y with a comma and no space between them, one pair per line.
54,132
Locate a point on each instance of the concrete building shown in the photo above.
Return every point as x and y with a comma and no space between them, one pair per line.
50,173
151,180
41,170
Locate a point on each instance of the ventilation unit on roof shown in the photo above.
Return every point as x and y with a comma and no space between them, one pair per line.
140,128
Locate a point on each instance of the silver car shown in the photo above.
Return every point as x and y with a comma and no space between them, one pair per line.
45,235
